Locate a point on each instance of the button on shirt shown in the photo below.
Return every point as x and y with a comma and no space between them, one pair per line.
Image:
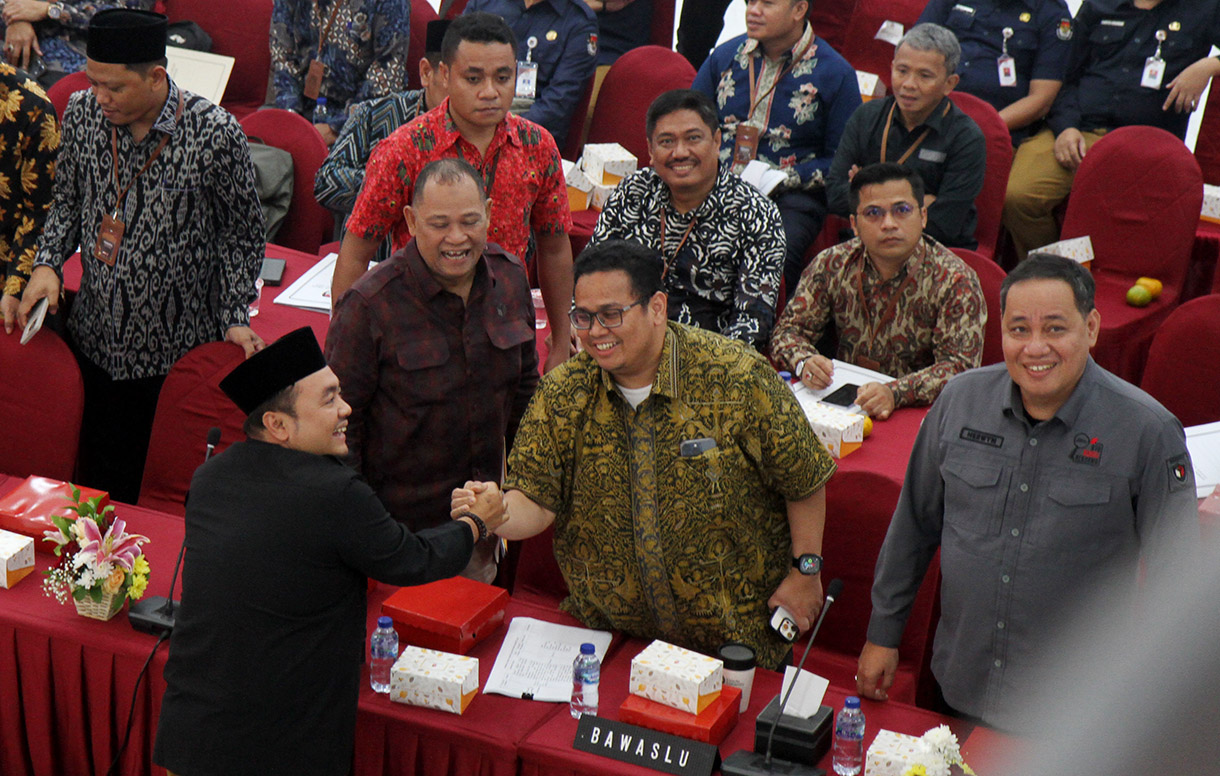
951,160
1111,40
435,385
1025,530
566,52
192,247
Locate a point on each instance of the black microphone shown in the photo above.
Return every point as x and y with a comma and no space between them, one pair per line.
747,763
155,614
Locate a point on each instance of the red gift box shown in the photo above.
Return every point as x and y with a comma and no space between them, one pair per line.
709,726
450,615
27,509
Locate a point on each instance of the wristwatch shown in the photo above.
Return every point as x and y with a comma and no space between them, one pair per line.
483,534
808,564
55,10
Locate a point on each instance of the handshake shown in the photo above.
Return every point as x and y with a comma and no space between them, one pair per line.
484,499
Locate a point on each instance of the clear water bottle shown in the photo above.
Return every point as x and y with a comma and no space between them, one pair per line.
848,756
586,673
321,111
383,651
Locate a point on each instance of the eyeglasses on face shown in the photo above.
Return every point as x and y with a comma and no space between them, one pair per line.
874,214
611,319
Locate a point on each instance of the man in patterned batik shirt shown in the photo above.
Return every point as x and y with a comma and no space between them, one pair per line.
900,302
684,482
47,39
169,251
783,96
29,142
346,51
721,240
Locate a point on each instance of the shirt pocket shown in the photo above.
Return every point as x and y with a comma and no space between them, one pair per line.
959,20
1079,513
506,339
974,493
421,371
1107,37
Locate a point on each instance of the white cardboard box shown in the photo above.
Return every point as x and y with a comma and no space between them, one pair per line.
17,555
1079,249
891,753
841,431
579,186
870,85
599,196
1211,204
608,163
676,677
434,680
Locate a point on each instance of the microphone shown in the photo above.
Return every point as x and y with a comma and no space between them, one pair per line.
747,763
155,614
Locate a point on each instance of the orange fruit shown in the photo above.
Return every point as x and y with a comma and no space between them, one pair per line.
868,426
1139,296
1153,285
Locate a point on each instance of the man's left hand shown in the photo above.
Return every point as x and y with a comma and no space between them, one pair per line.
876,399
25,11
801,595
1187,88
328,134
245,336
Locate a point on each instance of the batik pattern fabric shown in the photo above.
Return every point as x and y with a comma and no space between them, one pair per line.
29,144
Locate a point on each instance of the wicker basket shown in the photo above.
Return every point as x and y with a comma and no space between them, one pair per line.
103,610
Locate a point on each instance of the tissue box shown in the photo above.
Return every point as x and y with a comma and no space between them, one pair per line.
1211,204
434,680
891,753
17,556
27,509
709,726
451,615
579,186
599,196
870,85
842,432
608,163
676,677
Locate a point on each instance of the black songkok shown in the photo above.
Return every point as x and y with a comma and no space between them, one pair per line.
293,356
124,37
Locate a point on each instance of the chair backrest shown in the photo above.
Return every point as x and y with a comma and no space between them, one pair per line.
1137,195
1207,146
422,12
1183,370
307,224
634,81
240,29
64,88
661,33
191,402
990,275
42,393
989,204
860,45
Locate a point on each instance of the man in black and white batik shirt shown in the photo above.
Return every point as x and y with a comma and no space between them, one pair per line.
722,240
156,187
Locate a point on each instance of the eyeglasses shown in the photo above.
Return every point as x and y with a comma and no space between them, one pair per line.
611,319
875,214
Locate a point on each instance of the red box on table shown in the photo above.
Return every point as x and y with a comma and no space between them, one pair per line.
27,509
450,615
709,726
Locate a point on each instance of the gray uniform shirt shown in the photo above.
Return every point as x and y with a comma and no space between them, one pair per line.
1028,519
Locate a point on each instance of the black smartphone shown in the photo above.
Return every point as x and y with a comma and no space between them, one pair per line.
844,396
273,272
692,447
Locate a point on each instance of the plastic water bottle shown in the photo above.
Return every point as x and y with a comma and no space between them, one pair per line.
383,651
586,673
848,757
321,111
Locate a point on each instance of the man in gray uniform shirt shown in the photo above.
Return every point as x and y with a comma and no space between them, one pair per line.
1040,481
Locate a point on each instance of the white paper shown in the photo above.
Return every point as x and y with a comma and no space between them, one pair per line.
536,659
844,374
201,72
806,699
34,322
890,32
311,291
1203,442
761,176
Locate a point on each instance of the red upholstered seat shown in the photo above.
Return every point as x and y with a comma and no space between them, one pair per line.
991,275
307,224
859,44
1207,146
422,12
64,88
990,202
240,29
1137,195
634,81
1183,370
662,31
191,403
42,396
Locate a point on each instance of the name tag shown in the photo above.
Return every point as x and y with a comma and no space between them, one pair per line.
963,8
1113,23
928,155
527,80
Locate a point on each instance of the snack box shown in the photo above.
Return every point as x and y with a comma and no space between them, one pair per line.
451,615
434,680
709,726
600,196
1211,204
579,186
16,556
27,509
608,163
870,85
891,753
676,677
842,432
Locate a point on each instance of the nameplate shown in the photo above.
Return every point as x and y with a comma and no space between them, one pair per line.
648,748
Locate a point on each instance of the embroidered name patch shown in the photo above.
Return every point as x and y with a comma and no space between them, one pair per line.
982,437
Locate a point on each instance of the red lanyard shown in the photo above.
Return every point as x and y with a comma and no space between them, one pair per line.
114,150
891,306
755,98
889,122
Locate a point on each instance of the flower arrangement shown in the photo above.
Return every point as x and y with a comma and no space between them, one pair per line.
101,565
938,753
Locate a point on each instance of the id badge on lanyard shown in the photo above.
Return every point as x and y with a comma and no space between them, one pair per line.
1154,66
1006,65
109,238
313,79
745,144
527,72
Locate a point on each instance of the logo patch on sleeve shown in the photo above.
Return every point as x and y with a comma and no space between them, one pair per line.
982,437
1181,474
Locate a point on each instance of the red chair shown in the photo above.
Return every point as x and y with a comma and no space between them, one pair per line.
307,224
240,29
989,204
859,43
422,12
1137,195
42,394
1207,146
191,402
990,275
1183,370
661,33
64,88
634,81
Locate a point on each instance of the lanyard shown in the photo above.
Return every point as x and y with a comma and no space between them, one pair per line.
114,150
325,36
891,306
669,262
889,122
755,98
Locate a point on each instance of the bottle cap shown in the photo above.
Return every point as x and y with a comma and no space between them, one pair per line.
587,649
737,656
384,622
852,702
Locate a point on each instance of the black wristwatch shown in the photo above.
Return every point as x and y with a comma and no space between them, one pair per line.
483,534
808,564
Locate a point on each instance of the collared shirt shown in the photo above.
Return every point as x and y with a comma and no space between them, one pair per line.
365,54
528,190
368,123
803,115
565,37
435,385
193,243
1030,518
726,276
29,136
62,40
1040,42
935,329
951,160
1112,39
660,545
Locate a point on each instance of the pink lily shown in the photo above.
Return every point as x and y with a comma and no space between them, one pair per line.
116,546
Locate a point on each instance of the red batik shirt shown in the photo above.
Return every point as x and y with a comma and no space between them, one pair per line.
527,186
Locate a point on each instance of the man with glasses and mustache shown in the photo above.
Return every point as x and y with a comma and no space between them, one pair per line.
901,302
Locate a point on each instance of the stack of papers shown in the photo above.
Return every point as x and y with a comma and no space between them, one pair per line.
1203,443
535,660
311,291
844,374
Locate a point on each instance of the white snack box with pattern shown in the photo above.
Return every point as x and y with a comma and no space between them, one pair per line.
891,754
842,432
676,677
17,556
434,680
1078,249
1211,204
579,186
608,163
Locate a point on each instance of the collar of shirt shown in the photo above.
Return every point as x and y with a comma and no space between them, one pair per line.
447,133
711,204
936,120
166,121
412,262
872,275
1070,411
752,46
665,383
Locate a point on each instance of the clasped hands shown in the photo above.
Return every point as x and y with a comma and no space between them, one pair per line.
484,499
